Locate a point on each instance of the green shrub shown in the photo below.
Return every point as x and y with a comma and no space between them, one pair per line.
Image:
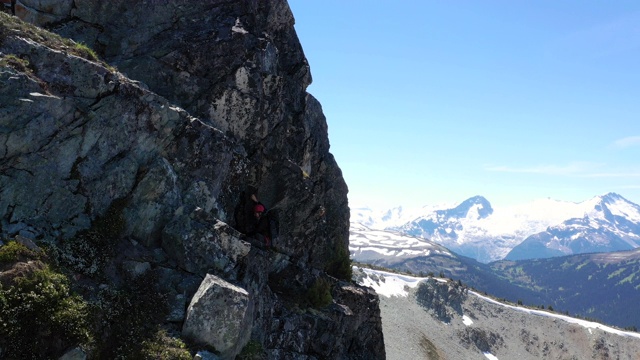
12,24
339,265
252,351
91,250
13,252
87,253
164,347
84,51
130,317
19,64
40,317
319,294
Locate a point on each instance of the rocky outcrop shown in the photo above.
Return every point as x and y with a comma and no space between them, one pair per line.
443,299
135,164
219,316
74,354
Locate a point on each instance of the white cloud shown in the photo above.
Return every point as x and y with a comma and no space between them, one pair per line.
627,142
611,175
631,187
576,168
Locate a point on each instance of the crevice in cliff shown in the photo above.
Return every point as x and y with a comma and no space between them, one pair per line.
55,26
32,174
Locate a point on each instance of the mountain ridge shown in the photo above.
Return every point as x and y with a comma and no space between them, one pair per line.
440,319
611,224
597,285
476,229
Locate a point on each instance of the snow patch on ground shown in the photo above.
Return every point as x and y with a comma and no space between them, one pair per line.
586,324
365,243
390,284
490,356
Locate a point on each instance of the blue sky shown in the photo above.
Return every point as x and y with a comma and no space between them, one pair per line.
437,101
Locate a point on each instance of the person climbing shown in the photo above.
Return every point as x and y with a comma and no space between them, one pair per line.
251,218
260,228
243,214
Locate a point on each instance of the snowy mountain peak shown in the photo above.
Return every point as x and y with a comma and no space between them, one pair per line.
621,207
612,197
392,214
608,207
609,199
477,206
475,229
609,223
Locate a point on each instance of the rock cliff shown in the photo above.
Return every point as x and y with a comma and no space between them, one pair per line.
128,162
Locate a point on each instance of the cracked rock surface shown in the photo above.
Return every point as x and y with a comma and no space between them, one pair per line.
186,105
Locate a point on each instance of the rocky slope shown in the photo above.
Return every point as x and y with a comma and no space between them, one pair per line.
133,165
601,286
431,318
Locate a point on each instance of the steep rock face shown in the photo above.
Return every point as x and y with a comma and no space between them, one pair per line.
217,103
238,67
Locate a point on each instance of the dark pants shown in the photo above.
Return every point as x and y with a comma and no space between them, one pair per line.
263,240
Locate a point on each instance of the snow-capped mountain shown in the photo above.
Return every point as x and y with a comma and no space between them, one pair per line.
385,219
386,248
475,229
611,223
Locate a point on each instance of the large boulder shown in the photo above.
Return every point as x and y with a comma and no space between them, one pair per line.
219,316
202,244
